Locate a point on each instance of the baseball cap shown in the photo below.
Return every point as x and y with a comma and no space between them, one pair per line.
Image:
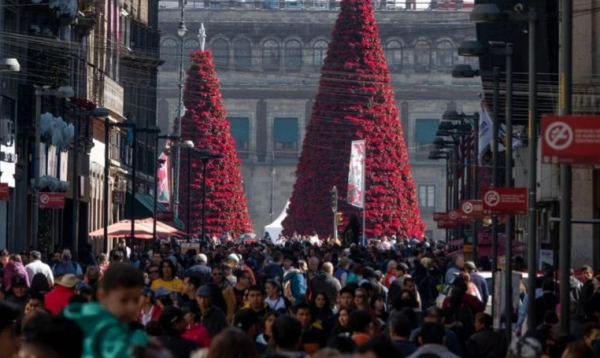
18,281
161,291
244,319
8,314
169,316
233,257
204,291
402,266
201,258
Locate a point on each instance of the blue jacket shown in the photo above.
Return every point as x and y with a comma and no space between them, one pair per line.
297,285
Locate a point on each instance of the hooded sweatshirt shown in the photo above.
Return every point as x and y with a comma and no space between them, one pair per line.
105,335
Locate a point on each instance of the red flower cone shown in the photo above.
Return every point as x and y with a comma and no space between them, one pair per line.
205,124
355,101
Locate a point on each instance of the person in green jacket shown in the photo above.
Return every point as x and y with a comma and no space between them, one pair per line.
106,323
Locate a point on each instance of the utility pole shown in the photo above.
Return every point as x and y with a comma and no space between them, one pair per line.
334,208
508,178
181,31
272,183
566,82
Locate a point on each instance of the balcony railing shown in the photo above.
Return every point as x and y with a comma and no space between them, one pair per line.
113,96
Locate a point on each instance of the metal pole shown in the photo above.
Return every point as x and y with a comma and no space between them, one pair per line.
566,72
189,192
105,190
448,190
334,207
496,131
468,181
178,129
204,162
508,178
272,183
456,186
155,201
532,222
75,179
133,175
36,170
475,178
364,196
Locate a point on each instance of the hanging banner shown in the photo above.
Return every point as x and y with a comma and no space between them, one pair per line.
118,197
52,200
485,134
458,217
445,224
505,201
472,208
356,175
570,139
162,173
4,192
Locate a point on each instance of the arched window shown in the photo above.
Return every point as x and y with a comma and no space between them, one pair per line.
293,55
220,50
422,56
242,53
319,53
190,46
270,54
168,52
393,53
444,55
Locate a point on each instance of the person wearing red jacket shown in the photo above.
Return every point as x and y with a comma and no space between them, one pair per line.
64,289
149,309
195,331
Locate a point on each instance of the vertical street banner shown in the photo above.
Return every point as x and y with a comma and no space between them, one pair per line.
162,173
485,134
356,175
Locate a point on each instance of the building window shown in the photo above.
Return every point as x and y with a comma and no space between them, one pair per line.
220,50
393,53
444,55
170,53
425,133
240,131
319,53
422,56
427,196
285,133
293,55
270,55
242,53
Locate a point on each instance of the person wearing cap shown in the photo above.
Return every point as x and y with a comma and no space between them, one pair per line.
9,313
200,269
211,316
149,309
173,325
58,298
18,292
194,331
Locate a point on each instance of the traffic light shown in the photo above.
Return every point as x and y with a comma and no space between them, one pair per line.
334,199
339,218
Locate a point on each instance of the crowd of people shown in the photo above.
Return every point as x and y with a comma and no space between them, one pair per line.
291,299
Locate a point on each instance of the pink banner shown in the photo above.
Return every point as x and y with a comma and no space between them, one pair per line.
356,175
164,193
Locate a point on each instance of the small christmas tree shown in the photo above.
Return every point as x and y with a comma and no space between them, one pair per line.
205,124
355,101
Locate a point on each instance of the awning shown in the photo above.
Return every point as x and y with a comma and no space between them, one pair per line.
143,208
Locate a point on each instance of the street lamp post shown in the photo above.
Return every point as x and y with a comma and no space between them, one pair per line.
181,31
107,126
64,92
189,145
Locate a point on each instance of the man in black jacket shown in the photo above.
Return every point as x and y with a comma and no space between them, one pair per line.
213,318
485,343
587,291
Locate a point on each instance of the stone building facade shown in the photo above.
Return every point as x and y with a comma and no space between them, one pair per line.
269,60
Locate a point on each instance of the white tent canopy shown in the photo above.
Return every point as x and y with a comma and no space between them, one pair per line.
275,228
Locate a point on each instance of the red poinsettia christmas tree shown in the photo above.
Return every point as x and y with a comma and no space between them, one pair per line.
205,124
355,101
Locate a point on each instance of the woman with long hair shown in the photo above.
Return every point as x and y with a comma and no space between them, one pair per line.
379,309
266,337
168,279
361,299
342,326
321,312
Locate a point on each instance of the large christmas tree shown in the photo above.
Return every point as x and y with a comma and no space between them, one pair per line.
205,124
355,101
